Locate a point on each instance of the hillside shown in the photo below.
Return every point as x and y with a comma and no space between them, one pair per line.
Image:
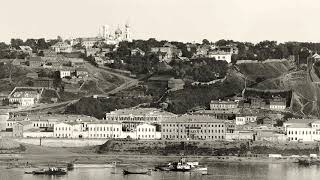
99,81
305,93
260,75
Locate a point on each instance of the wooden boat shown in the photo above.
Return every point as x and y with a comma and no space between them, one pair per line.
136,171
308,162
50,171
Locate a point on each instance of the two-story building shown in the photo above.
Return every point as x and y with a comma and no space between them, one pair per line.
62,47
131,118
223,105
191,127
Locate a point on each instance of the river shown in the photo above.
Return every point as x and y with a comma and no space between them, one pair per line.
216,171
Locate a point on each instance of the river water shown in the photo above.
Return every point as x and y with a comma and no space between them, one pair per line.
217,171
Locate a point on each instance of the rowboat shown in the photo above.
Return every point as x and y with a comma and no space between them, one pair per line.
136,171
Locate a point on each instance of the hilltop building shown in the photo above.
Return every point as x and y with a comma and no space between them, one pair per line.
62,47
167,52
25,96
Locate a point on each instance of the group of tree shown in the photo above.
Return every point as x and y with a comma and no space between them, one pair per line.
201,69
7,51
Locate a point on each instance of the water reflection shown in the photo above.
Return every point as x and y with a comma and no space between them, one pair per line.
217,171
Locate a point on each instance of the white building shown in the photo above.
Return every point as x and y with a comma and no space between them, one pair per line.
220,56
146,131
130,118
242,120
62,47
25,96
223,105
303,131
70,130
64,73
192,127
104,129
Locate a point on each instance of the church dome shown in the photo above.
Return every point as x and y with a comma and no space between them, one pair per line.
118,31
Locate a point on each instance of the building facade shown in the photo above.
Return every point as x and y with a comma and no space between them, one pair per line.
242,120
223,105
106,129
190,127
130,118
305,132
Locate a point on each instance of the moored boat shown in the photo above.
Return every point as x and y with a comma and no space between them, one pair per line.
183,166
309,162
50,171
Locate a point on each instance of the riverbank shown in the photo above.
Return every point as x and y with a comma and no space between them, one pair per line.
37,156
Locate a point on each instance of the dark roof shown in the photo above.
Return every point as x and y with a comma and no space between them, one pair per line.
160,78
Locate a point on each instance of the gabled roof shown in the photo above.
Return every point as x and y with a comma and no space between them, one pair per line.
25,48
316,56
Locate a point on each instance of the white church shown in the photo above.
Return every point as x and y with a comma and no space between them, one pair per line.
118,35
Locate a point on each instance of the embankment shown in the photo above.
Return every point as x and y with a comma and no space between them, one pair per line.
51,142
213,148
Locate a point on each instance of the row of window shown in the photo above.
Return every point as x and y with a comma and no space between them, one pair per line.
193,130
303,132
192,125
63,128
224,105
145,136
103,129
132,118
195,137
42,125
104,135
146,129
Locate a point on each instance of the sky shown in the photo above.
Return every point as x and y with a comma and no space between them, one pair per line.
174,20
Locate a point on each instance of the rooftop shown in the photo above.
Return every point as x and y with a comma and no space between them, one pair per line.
299,125
195,118
76,60
141,111
54,117
222,102
160,78
300,121
228,111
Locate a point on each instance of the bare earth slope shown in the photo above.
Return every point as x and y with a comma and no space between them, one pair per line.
306,94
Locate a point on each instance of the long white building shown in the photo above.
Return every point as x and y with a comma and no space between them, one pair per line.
130,118
302,130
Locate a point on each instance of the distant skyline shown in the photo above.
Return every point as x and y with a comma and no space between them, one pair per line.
173,20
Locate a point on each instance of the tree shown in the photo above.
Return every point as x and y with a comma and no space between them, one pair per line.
223,42
16,43
32,43
59,38
3,46
205,42
42,44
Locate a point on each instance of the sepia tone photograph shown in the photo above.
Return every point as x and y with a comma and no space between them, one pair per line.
159,90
